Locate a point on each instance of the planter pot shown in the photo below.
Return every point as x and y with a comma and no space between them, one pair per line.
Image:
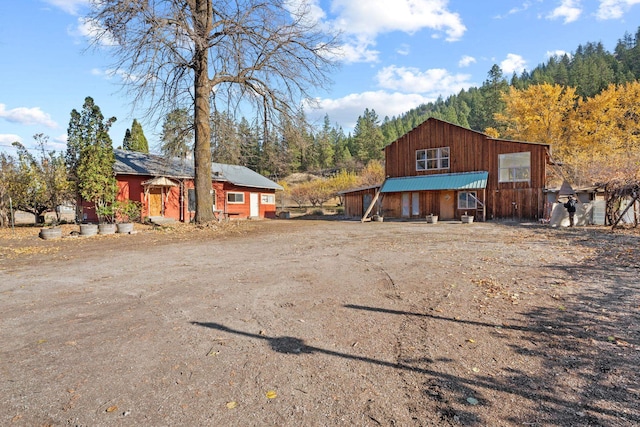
50,233
125,228
88,229
467,219
378,218
106,228
432,219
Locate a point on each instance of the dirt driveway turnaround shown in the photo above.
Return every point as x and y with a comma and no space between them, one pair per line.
322,323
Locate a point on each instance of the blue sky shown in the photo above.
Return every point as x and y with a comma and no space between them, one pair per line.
397,55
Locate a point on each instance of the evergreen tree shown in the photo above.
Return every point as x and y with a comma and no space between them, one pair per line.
249,145
225,145
136,141
177,134
89,157
367,141
324,146
126,142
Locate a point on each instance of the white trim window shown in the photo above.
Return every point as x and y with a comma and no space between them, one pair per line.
235,197
467,200
432,159
268,199
514,167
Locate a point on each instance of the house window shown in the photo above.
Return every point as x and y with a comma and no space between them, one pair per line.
268,199
467,200
432,158
514,167
191,199
235,197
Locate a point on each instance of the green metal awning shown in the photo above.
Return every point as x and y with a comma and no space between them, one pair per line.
447,181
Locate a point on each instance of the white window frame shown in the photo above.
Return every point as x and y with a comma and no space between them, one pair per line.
519,173
267,199
235,193
466,202
432,159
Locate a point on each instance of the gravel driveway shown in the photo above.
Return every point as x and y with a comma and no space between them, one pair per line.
322,323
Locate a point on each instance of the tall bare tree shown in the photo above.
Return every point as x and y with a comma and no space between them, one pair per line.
266,54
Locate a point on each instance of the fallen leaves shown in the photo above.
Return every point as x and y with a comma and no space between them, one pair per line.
271,394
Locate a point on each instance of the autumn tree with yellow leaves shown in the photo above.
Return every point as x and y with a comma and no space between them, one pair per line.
596,139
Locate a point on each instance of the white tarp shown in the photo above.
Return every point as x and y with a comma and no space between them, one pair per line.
560,216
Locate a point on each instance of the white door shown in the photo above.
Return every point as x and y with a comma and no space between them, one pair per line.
254,208
406,204
415,204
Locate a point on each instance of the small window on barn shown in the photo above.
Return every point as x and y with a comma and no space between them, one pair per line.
467,200
268,199
191,196
432,158
235,197
514,167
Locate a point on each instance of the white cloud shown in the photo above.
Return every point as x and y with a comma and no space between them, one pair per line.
404,49
70,6
513,64
362,22
380,16
27,116
614,9
570,10
358,51
111,73
346,110
310,9
8,138
515,10
58,143
61,139
90,30
434,82
466,60
557,53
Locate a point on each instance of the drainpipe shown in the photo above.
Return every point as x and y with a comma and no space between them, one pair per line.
181,200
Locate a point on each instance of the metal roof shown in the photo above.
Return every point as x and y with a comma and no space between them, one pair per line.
135,163
447,181
240,175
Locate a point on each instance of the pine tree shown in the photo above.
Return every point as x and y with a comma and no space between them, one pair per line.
90,157
135,140
177,134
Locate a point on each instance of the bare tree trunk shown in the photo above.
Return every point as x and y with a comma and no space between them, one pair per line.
202,149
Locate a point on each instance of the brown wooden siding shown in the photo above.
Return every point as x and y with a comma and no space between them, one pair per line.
354,202
469,151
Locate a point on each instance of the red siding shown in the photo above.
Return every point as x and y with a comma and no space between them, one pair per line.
176,199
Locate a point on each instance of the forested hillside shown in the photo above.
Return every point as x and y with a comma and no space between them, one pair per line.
574,86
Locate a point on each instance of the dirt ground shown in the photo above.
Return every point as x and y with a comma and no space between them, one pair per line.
322,323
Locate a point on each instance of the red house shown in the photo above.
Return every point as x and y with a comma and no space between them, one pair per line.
165,188
446,170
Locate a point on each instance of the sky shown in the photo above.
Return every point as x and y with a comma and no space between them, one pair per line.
396,55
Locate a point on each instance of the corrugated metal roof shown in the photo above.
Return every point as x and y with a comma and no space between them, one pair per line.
447,181
135,163
244,176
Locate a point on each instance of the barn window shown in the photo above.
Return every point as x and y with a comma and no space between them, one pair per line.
514,167
268,199
235,197
467,200
432,158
